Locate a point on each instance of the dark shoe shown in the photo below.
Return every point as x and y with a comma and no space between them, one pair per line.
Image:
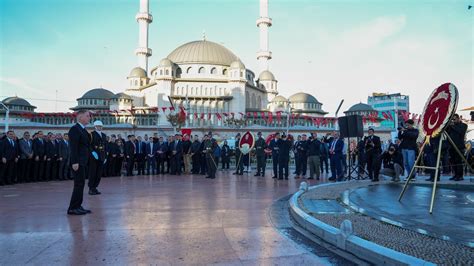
274,177
263,174
280,178
286,178
297,177
97,192
311,178
257,174
84,210
374,180
453,178
332,179
75,212
92,192
459,179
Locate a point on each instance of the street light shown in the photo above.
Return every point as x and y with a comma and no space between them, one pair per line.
288,117
7,118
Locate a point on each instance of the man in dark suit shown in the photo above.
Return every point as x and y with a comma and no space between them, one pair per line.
301,155
161,154
39,154
129,150
26,157
140,155
284,147
9,154
64,157
260,147
79,145
176,149
151,154
275,153
195,155
335,156
457,131
239,158
113,152
97,157
202,157
373,149
51,157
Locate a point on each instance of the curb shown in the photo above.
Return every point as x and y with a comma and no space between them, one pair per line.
357,246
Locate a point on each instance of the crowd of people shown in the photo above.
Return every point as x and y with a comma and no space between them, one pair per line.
45,157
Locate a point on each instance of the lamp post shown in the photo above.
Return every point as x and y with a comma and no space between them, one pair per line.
7,116
336,124
288,118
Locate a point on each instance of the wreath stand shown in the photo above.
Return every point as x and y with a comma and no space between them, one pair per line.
443,137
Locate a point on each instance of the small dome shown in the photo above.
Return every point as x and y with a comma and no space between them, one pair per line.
237,64
98,93
17,101
202,52
302,97
165,62
360,107
122,95
279,98
266,75
138,72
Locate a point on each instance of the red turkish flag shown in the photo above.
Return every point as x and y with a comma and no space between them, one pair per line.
270,117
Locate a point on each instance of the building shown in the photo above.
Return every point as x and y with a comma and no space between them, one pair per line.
393,103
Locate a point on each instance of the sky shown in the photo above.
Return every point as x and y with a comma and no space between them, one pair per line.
53,51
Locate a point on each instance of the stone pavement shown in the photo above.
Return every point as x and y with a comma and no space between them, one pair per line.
398,238
159,220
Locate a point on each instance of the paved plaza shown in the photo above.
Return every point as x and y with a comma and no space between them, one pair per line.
159,220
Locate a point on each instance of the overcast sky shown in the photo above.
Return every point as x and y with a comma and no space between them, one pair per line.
56,49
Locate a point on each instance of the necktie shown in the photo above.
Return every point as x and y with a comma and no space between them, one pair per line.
11,142
333,146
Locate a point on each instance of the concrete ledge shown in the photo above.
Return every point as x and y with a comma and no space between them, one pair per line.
357,246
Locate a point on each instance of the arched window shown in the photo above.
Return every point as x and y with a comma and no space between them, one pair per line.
178,72
141,82
254,104
136,82
259,102
188,71
241,73
201,70
213,70
161,72
224,72
167,72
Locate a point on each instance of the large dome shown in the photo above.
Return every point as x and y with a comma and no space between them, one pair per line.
17,101
302,97
98,93
202,52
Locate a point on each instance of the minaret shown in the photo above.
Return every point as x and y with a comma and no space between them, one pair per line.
263,23
143,18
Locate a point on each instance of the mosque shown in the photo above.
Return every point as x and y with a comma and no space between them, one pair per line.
203,77
200,77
